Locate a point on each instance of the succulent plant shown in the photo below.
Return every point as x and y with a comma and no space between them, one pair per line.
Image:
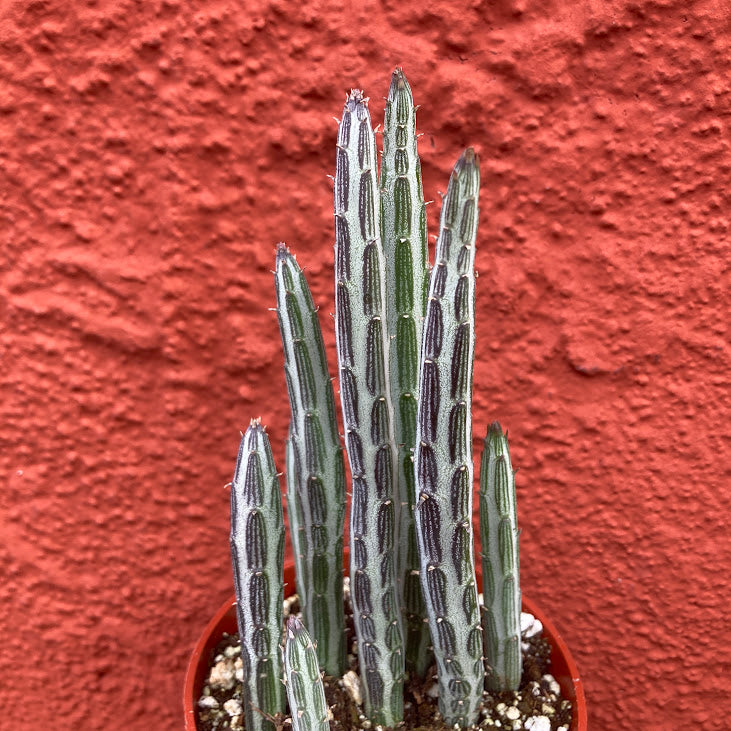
362,347
443,456
315,470
404,237
257,556
405,349
500,563
302,679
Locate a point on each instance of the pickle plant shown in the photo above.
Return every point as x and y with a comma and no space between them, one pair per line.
315,470
443,456
405,349
500,570
305,692
257,556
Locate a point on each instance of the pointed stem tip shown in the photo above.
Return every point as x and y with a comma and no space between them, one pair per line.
398,78
282,250
294,626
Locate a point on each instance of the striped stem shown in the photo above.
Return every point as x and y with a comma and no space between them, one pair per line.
296,521
257,556
500,567
443,455
305,691
404,236
316,458
362,347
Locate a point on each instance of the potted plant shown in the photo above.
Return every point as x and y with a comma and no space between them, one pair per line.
405,347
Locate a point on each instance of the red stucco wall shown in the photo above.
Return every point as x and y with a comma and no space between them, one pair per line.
151,156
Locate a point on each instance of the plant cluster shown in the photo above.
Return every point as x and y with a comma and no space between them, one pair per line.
405,350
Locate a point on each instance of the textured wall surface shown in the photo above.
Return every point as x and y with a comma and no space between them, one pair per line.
151,156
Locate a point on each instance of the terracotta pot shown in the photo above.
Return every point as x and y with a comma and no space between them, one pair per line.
563,667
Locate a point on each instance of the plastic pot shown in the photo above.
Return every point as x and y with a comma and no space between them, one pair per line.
563,667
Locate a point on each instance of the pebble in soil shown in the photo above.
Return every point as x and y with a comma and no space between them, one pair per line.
536,706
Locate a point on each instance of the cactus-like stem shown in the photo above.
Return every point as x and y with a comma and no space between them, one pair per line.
362,347
404,236
305,691
296,521
257,555
500,568
316,461
443,455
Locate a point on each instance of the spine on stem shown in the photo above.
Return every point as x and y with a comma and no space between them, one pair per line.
257,556
443,455
404,236
362,346
316,465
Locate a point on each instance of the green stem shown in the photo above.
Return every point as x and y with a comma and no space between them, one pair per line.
257,555
317,472
362,346
404,235
443,456
305,691
500,563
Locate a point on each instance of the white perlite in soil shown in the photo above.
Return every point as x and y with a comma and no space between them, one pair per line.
537,706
